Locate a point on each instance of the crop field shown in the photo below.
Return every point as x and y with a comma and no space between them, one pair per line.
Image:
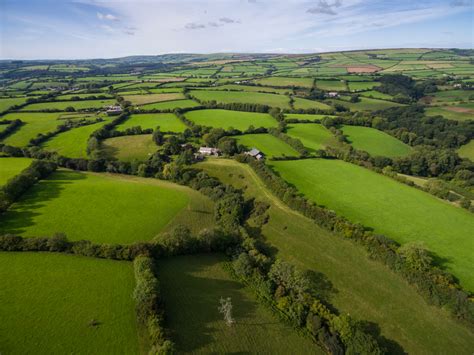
227,97
348,279
10,167
62,105
151,98
305,104
129,148
374,200
284,82
235,119
170,105
168,122
313,136
191,288
467,151
5,104
71,290
93,206
268,144
375,142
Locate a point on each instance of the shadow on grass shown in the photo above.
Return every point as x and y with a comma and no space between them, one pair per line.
21,214
390,346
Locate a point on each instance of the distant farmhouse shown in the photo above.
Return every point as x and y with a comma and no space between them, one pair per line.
332,94
209,151
113,110
255,153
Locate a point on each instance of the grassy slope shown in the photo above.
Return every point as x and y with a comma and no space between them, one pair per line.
448,114
61,105
375,142
282,81
268,144
150,98
129,148
191,288
273,100
170,105
168,122
365,289
392,208
104,208
367,104
226,119
9,167
313,136
306,104
467,150
48,301
5,104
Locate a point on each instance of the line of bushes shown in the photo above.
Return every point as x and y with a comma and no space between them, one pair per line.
295,143
12,127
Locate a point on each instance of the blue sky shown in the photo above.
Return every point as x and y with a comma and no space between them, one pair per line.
68,29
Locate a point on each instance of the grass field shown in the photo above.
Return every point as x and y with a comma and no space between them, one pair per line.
451,96
226,118
331,85
467,150
449,113
391,208
376,95
62,105
313,136
72,143
305,104
227,97
367,104
49,300
170,105
151,98
350,281
280,81
129,148
310,117
104,208
375,142
251,88
5,104
191,288
362,85
10,167
168,122
268,144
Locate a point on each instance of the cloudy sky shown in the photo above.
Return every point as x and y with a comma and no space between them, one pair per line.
42,29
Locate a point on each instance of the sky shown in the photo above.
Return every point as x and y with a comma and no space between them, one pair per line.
79,29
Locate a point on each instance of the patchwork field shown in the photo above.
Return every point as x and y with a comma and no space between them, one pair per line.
375,142
151,98
268,144
227,97
313,136
226,119
10,167
62,105
38,288
374,200
170,105
191,288
168,122
129,148
101,208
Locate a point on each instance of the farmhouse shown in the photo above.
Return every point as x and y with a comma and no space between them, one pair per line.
209,151
113,110
255,153
332,94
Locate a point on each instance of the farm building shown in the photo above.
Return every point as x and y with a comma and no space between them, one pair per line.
332,94
113,110
255,153
209,151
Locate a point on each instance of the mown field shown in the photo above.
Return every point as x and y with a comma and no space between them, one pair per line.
104,208
62,105
168,122
227,97
49,301
401,212
10,167
191,288
348,279
375,142
268,144
129,148
226,119
313,136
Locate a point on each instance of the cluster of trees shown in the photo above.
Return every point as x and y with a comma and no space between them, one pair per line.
295,143
404,88
11,127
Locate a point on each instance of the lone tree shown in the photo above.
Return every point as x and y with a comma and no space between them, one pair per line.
226,309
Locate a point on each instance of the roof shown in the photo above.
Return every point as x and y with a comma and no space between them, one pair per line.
253,152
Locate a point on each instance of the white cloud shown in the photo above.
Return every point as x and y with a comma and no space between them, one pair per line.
109,17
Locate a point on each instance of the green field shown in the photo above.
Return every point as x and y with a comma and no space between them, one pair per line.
280,81
104,208
129,148
226,119
227,97
268,144
313,136
331,85
10,167
449,113
62,105
72,143
467,150
5,104
49,300
303,116
170,105
168,122
251,88
362,85
367,104
350,281
375,142
452,96
376,95
191,288
391,208
151,98
305,104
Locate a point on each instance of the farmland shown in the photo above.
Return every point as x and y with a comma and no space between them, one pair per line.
5,104
151,98
129,148
467,150
313,136
9,167
170,105
62,105
285,82
167,122
227,97
268,144
226,119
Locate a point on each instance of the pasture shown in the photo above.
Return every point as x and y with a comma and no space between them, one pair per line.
331,85
456,113
270,145
467,151
226,119
49,301
375,142
62,105
191,287
362,85
104,208
367,104
10,167
306,104
5,104
129,148
228,97
403,213
280,81
151,98
313,136
170,105
311,117
168,122
251,88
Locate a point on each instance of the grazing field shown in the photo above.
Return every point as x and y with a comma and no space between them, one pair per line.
168,122
226,119
192,286
362,85
72,143
268,144
10,167
280,81
170,105
375,142
391,208
310,117
367,104
228,97
104,208
313,136
349,280
457,113
306,104
467,151
49,301
5,104
62,105
376,95
151,98
451,96
251,88
129,148
331,85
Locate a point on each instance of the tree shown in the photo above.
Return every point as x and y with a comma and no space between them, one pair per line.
213,136
227,145
158,136
226,309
